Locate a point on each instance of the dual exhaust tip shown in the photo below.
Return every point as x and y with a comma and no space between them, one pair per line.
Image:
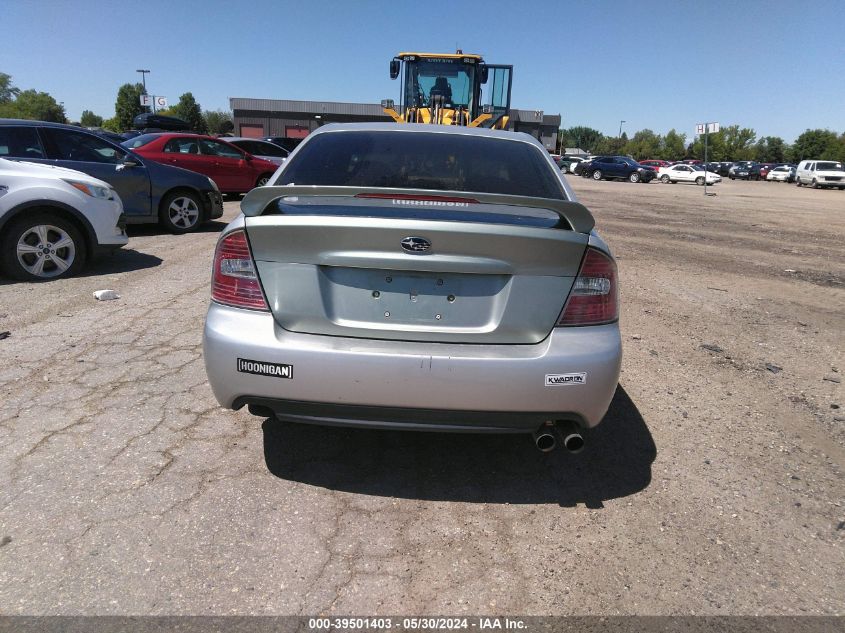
564,433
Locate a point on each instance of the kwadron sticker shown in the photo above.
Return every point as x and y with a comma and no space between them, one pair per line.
261,368
556,380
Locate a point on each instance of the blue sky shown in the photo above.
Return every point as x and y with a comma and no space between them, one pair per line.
776,66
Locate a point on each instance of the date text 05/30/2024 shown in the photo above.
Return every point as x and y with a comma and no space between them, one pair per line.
416,624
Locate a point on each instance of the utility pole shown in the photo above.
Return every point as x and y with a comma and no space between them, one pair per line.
620,128
144,80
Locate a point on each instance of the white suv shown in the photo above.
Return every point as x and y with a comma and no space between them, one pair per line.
820,173
53,219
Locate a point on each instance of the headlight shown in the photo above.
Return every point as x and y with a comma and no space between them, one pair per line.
213,185
92,190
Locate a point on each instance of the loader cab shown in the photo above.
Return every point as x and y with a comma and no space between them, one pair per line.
450,90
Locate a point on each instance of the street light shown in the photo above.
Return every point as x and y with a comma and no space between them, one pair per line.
620,128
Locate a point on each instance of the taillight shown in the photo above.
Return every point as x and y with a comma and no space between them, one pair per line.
234,282
594,298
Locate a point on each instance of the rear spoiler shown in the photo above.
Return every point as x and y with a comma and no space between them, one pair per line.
572,214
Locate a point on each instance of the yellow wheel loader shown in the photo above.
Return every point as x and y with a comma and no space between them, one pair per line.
448,89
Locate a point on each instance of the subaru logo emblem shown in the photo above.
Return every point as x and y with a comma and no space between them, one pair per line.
416,244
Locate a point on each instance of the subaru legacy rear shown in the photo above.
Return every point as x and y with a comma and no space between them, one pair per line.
417,277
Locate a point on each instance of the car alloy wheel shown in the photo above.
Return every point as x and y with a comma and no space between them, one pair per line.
41,246
814,184
180,212
699,180
597,175
634,177
664,179
183,212
263,180
45,251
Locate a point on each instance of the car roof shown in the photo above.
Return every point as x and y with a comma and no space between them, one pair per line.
412,128
241,138
184,135
44,124
176,134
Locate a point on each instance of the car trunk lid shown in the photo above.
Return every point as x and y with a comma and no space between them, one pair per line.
416,266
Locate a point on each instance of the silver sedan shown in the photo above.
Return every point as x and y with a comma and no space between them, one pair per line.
417,277
260,149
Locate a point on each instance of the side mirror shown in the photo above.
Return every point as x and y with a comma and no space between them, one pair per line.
248,158
394,68
484,72
130,161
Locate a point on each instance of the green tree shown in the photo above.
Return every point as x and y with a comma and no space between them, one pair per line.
611,145
815,144
31,104
89,119
674,145
189,111
644,144
770,149
7,90
581,136
128,105
218,121
739,142
715,147
112,124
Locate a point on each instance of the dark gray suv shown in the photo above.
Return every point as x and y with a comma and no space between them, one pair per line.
179,199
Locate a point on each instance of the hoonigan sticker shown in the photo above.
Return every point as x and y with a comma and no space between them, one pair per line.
262,368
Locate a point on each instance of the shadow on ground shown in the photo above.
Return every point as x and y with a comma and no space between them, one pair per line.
469,468
140,230
121,261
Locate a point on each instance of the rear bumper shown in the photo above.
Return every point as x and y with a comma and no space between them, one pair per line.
411,385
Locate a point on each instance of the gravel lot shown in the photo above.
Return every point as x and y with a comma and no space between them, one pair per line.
714,485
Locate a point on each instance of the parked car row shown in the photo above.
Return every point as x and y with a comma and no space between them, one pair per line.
567,163
814,173
67,193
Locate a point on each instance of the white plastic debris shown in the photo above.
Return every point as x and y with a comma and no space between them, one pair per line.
106,295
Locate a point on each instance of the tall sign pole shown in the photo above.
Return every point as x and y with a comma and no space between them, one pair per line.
706,129
144,74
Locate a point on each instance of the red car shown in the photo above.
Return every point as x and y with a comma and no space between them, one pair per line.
655,164
765,168
234,170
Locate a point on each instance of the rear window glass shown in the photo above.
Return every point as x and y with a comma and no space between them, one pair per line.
139,141
411,160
